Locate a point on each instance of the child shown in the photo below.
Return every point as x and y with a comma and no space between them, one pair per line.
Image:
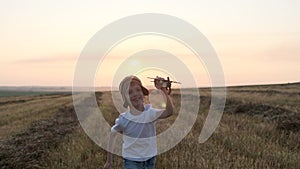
137,125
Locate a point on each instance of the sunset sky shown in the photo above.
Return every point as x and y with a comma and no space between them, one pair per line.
258,42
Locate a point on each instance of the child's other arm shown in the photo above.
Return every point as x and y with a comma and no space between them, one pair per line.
112,139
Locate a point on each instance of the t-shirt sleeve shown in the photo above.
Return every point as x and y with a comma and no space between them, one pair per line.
154,115
117,127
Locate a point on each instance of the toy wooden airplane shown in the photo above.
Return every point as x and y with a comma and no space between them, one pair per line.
164,82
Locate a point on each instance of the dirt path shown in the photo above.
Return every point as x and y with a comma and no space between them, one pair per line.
26,149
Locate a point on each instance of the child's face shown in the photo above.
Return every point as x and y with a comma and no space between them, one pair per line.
136,95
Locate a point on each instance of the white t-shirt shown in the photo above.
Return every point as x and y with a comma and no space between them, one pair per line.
139,135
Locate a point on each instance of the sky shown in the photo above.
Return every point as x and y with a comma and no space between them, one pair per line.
257,42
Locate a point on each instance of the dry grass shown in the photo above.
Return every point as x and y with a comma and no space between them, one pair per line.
17,116
242,140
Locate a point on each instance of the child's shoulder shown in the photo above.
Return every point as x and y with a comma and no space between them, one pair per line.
122,115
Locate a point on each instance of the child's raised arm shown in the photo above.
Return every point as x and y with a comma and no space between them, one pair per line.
169,105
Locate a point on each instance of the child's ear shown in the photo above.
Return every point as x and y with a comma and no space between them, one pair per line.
125,104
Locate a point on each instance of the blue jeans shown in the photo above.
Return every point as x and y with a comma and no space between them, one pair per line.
149,164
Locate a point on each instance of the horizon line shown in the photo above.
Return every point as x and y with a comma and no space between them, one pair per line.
67,86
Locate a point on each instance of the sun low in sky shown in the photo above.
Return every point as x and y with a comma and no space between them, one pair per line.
257,42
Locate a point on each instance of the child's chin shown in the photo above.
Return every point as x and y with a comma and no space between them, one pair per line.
137,104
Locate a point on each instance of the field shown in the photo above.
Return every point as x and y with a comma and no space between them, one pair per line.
260,128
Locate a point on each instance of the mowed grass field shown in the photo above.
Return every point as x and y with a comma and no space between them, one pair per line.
260,128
